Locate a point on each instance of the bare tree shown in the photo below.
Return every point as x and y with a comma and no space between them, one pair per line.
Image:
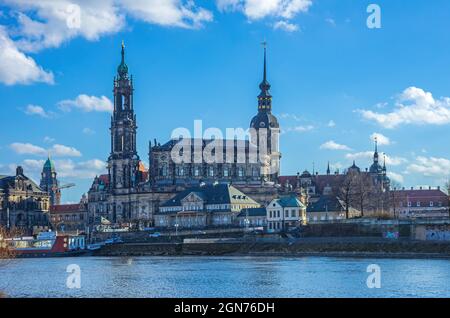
347,190
394,199
362,189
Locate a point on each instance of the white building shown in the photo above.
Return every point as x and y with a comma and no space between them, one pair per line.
285,213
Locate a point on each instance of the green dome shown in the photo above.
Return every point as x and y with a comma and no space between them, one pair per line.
49,165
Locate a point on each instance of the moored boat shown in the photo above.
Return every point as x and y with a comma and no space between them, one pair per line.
48,244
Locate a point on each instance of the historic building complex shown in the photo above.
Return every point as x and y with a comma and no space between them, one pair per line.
130,192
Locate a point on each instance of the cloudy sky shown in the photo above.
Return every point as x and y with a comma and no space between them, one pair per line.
336,83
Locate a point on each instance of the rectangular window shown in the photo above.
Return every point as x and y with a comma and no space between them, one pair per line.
418,203
431,203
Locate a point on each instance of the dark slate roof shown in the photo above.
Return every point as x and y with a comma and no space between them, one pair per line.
171,143
211,194
252,212
289,202
326,204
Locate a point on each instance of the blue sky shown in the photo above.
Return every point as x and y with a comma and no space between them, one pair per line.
335,82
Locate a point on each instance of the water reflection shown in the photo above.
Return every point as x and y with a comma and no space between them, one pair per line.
225,277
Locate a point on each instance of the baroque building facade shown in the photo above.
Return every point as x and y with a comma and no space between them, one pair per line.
23,204
130,193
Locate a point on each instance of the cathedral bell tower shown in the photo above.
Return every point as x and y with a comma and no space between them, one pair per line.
123,162
267,130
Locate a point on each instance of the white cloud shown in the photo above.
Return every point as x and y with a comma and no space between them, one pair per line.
257,9
281,10
16,67
65,168
382,140
430,167
64,151
48,140
87,103
88,131
332,145
286,26
395,177
184,14
290,116
300,129
413,106
331,123
27,149
37,110
81,170
331,22
368,155
55,150
49,23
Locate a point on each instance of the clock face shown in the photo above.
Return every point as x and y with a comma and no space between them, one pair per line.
262,124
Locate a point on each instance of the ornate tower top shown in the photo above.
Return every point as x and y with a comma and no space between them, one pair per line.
375,155
122,70
49,165
264,98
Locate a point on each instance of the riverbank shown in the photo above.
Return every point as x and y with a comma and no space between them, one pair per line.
333,247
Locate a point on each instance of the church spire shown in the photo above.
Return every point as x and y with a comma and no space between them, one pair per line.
264,98
122,70
328,169
375,155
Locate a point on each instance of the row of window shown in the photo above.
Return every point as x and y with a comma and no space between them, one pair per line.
419,204
211,172
73,217
287,213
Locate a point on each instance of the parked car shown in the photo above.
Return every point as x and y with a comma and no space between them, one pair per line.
154,235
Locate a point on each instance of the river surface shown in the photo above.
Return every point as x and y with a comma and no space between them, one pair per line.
224,277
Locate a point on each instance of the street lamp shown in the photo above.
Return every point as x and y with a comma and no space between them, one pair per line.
247,224
176,228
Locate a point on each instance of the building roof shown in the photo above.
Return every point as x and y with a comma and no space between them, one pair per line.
290,202
67,208
252,212
326,203
212,194
9,182
423,195
168,146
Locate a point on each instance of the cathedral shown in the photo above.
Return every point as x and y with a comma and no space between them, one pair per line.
130,192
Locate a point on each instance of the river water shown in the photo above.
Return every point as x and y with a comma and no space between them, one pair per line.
224,277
